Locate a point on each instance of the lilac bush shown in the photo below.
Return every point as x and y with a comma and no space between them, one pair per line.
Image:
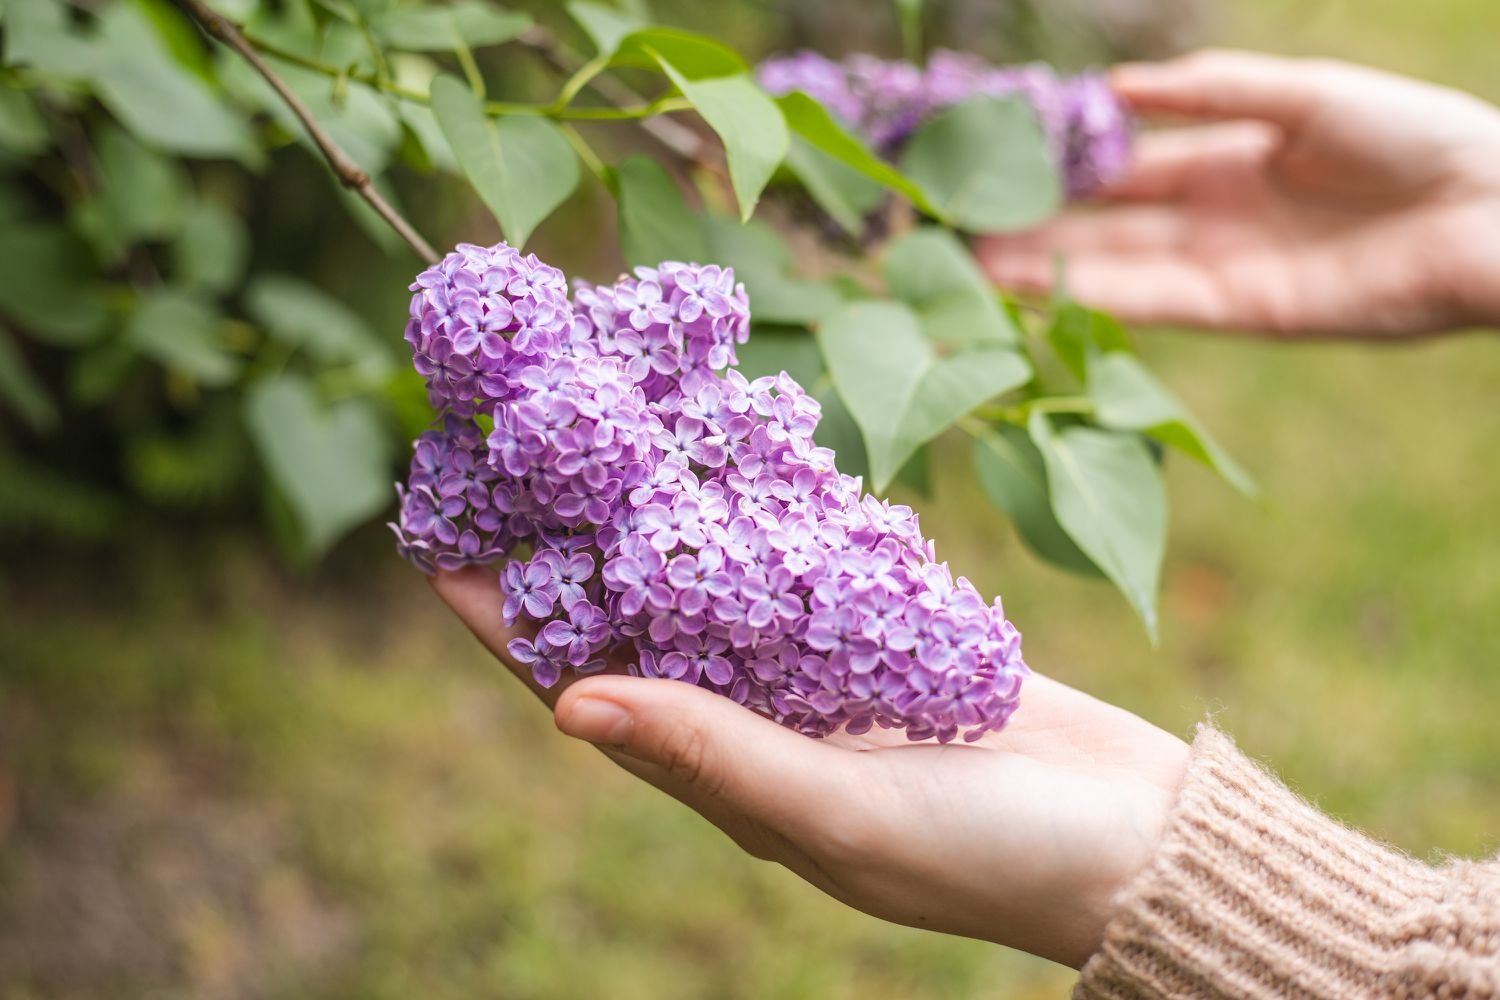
660,509
1087,128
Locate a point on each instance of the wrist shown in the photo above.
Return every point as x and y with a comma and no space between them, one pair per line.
1141,815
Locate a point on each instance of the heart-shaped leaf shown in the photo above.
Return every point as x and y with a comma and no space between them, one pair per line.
49,284
157,99
844,193
985,165
763,262
654,220
1128,397
606,26
748,122
331,464
812,122
180,331
439,28
1014,476
901,392
521,166
932,271
1107,494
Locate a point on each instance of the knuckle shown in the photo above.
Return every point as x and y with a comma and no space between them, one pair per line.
685,752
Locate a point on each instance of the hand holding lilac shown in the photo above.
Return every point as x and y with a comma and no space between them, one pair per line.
1022,838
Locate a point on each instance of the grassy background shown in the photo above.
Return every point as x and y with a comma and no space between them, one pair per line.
237,781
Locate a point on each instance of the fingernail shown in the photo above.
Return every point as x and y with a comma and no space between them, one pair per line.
597,721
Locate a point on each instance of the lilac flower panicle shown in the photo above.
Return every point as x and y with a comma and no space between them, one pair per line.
658,507
1087,128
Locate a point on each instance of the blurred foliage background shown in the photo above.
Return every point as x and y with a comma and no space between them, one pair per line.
224,773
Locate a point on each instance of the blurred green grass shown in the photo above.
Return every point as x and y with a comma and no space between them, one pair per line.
240,782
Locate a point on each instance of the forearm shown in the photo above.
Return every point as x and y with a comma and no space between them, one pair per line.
1254,893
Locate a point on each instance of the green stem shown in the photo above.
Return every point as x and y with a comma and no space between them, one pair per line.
586,153
377,54
1021,412
494,109
574,85
470,67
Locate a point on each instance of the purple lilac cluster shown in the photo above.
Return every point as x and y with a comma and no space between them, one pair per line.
663,511
1087,128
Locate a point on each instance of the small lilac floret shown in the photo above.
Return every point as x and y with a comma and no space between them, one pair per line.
661,510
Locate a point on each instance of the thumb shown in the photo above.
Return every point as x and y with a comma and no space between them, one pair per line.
1223,83
710,747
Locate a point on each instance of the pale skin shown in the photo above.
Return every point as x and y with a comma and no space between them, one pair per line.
1308,198
1338,202
1021,838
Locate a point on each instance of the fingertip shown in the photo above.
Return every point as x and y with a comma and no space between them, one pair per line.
593,719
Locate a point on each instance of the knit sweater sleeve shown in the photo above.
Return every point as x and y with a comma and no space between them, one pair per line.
1256,894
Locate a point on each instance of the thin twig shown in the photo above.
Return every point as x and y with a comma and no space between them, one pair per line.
494,109
349,173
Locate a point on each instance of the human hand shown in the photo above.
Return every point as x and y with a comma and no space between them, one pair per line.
1022,838
1328,200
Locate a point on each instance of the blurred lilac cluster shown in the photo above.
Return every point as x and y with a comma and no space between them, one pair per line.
656,501
1087,128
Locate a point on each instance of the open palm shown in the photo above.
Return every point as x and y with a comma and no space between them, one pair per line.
1329,199
1022,838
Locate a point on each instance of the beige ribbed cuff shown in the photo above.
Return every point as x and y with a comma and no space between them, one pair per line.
1254,894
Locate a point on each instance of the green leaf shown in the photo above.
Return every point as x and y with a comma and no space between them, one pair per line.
810,120
330,463
422,123
181,333
985,165
48,284
605,25
654,220
22,128
212,248
22,390
844,193
303,316
40,34
144,193
754,134
933,272
1078,333
900,391
695,56
762,261
1107,494
160,102
436,28
773,350
1129,398
521,166
1014,476
181,37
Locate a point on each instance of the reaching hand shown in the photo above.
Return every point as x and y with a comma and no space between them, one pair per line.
1329,200
1022,838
